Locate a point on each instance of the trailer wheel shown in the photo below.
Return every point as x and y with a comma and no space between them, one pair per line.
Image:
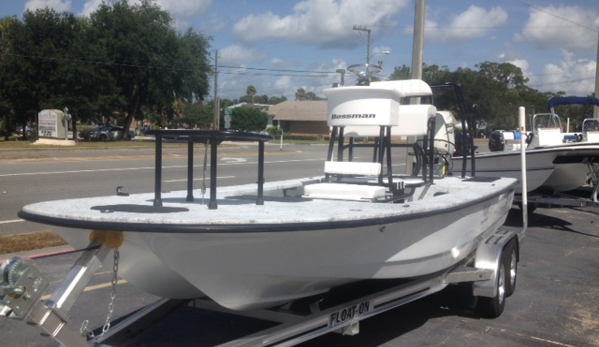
510,258
493,307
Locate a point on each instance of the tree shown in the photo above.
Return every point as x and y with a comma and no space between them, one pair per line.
506,73
150,64
124,61
498,89
42,70
6,114
300,95
248,119
401,73
251,91
199,114
273,100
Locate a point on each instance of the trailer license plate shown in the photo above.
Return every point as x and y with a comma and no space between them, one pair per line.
349,313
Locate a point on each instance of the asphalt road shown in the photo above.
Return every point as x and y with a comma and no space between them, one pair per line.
556,302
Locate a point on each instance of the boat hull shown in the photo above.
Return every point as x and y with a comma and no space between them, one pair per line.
571,169
245,256
311,262
539,166
567,177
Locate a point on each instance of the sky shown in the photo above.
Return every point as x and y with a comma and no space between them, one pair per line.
279,46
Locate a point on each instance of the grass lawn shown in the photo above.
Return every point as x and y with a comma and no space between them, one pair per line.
29,242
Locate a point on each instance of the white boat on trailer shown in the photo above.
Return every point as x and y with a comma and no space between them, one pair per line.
557,162
265,245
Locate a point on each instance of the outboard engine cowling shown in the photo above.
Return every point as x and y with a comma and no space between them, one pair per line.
496,141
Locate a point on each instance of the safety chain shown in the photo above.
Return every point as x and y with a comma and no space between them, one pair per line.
84,330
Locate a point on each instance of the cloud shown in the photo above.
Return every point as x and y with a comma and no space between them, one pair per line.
546,31
473,23
185,9
56,5
90,6
239,55
180,10
570,75
573,76
319,22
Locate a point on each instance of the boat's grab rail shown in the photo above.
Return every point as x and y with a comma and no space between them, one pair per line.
210,138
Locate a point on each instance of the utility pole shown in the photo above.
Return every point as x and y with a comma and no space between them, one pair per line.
342,72
216,103
596,108
417,52
418,44
365,28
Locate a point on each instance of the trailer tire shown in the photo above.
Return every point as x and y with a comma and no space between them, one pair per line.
510,258
493,307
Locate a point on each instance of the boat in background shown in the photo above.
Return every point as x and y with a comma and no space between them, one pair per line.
556,161
589,129
575,155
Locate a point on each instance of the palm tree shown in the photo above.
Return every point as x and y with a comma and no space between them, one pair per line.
251,91
300,95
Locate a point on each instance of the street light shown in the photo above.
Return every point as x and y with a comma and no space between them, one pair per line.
368,55
385,52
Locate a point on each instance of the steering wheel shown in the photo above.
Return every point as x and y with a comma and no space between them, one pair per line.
364,72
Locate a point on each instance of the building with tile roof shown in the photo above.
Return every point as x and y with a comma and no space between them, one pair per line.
301,117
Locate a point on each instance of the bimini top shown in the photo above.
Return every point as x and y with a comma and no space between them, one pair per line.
572,100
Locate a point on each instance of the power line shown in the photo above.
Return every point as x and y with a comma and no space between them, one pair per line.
124,64
276,70
556,16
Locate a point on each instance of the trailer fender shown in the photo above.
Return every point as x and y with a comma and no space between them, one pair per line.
488,256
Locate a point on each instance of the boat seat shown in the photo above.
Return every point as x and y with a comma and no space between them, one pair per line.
344,191
592,136
352,168
547,137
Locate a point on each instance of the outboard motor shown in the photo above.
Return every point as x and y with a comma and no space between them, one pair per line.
444,133
496,141
459,139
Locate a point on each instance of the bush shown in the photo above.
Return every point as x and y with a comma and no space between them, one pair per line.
84,127
302,137
274,131
248,119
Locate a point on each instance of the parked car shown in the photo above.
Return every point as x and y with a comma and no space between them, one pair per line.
104,133
28,130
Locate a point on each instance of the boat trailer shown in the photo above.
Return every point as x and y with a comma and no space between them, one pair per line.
557,200
491,269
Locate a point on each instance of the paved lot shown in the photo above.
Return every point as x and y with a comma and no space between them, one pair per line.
556,302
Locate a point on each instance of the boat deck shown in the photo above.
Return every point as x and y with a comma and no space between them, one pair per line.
283,205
